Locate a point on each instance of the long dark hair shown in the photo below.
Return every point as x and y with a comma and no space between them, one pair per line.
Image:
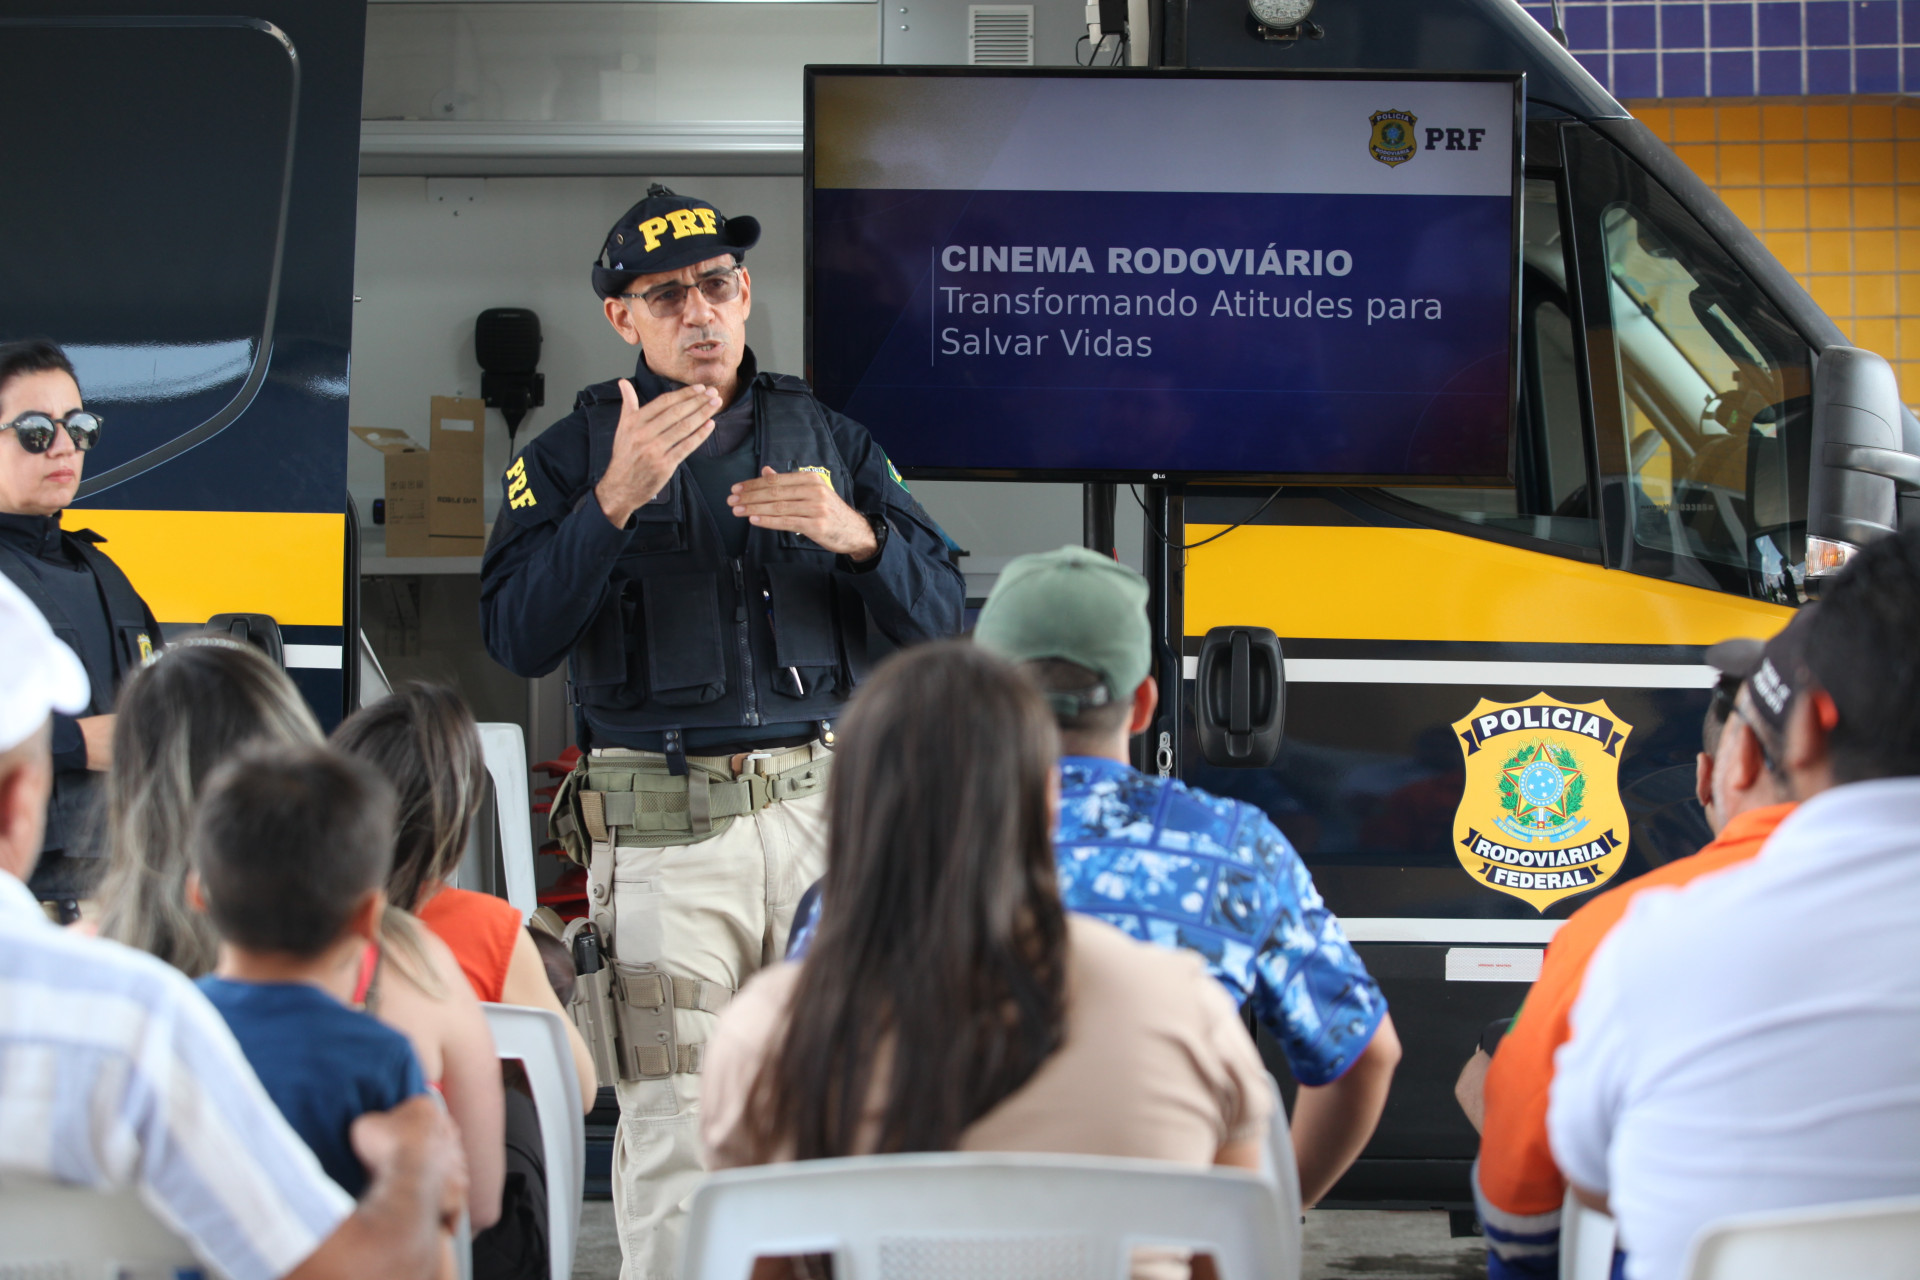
423,738
942,939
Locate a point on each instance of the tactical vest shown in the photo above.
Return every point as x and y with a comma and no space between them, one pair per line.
74,789
691,639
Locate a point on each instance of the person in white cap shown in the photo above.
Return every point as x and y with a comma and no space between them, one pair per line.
115,1072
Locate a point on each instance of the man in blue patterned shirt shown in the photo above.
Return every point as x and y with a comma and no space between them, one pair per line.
1180,868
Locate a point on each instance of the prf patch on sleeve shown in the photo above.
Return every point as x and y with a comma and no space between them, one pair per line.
519,492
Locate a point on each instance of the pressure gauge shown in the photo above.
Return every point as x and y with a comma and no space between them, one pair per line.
1280,14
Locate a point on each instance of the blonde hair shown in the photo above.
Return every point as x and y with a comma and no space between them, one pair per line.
201,701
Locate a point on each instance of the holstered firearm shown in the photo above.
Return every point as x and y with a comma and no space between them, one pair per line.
592,1005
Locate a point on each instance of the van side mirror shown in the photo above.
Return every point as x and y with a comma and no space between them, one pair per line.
256,629
1858,466
1240,697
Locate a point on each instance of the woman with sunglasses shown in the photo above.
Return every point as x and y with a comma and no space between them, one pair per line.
44,438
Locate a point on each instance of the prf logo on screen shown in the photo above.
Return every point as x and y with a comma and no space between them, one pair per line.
1394,140
1541,816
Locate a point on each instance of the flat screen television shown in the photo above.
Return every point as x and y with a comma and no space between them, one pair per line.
1134,274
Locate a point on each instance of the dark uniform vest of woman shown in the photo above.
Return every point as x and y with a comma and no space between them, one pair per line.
96,612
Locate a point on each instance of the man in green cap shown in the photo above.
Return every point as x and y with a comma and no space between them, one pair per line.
1177,867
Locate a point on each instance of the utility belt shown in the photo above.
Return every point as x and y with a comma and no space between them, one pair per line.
617,798
646,799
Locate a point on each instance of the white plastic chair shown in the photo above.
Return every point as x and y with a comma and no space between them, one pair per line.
1587,1239
1862,1240
956,1215
62,1232
538,1039
463,1229
1279,1167
505,748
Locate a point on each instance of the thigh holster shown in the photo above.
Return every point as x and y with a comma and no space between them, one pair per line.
630,799
644,1001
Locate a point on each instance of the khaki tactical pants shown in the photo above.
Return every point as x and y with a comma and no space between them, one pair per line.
717,912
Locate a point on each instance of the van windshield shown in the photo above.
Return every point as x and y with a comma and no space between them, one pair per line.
1712,384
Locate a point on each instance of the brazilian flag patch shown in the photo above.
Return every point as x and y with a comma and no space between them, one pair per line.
895,473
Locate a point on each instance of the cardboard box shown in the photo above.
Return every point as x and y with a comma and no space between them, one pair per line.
407,481
455,468
434,493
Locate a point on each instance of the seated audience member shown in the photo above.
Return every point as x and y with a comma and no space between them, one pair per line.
147,1089
196,705
1135,850
1752,1042
1517,1184
177,719
948,987
289,852
1129,848
423,739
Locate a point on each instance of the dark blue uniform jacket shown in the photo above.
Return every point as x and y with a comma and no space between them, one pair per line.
662,628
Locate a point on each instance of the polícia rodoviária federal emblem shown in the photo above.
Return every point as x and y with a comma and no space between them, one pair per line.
1541,816
1393,141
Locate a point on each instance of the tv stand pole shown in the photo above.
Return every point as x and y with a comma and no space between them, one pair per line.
1096,507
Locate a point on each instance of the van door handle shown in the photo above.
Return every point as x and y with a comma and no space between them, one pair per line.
1239,703
1240,694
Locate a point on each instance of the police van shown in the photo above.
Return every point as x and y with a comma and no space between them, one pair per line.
1492,698
1485,701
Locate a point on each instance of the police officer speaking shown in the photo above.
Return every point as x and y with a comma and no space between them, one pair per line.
710,548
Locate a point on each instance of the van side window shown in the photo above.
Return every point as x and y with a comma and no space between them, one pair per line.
1713,391
1550,498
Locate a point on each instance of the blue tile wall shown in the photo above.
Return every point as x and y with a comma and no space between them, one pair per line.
1690,49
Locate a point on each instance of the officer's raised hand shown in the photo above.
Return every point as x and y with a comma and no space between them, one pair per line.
802,502
651,440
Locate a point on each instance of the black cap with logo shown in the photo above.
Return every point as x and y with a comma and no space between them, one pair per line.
1782,672
666,232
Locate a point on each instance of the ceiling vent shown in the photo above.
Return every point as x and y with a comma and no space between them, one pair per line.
1000,35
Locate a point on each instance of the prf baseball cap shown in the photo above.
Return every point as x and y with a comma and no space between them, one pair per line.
1078,606
666,232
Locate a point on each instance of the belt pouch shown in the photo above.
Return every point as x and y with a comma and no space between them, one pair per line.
644,1003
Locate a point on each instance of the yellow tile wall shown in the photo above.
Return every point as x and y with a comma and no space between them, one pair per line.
1832,185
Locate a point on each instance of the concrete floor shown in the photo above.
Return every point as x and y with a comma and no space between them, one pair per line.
1339,1244
1387,1246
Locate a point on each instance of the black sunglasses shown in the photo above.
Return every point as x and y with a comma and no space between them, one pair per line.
35,430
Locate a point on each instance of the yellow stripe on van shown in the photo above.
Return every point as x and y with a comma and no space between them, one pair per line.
1346,583
190,565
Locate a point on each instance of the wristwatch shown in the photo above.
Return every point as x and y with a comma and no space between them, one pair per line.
881,530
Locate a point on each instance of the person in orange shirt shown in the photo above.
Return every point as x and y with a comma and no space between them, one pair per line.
1518,1189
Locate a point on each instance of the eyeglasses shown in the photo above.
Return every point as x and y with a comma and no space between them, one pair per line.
668,300
35,430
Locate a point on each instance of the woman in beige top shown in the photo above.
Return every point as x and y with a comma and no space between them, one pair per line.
947,989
